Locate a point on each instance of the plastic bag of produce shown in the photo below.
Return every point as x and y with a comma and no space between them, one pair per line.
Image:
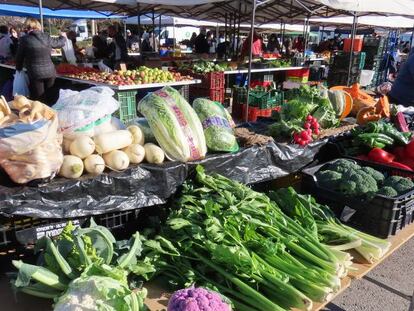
69,52
175,125
79,109
30,144
217,124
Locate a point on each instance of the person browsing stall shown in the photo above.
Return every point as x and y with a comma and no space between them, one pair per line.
34,53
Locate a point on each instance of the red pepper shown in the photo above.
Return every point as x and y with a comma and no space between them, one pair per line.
409,149
408,162
363,157
399,165
380,156
400,153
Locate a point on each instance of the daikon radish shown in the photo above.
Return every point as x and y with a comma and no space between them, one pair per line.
94,164
154,154
137,135
72,167
82,147
135,153
116,160
112,141
66,145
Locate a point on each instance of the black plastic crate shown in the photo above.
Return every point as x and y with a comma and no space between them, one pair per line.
22,231
381,216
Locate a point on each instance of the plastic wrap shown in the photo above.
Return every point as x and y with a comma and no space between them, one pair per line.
139,186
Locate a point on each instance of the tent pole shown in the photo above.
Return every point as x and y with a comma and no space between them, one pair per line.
159,33
225,34
238,31
153,29
139,27
305,38
125,30
411,39
249,73
351,54
41,14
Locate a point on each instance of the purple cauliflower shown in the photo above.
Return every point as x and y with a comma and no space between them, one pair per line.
197,299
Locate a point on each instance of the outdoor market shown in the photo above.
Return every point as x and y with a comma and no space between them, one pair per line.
249,155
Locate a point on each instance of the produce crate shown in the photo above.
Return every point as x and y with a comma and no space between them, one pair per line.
127,106
211,80
381,216
340,77
212,94
21,231
341,60
298,75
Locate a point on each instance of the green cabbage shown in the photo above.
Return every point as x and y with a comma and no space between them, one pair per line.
175,125
218,125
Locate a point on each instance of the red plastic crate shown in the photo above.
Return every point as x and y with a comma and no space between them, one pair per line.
212,94
211,80
298,73
357,45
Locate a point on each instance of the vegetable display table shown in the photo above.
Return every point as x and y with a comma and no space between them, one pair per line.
260,70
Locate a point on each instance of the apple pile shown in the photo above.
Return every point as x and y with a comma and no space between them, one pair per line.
141,75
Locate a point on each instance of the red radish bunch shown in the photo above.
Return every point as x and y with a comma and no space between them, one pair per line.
304,137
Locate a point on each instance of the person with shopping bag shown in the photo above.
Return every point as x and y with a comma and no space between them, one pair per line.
34,53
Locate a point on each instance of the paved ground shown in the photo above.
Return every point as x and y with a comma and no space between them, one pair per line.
389,287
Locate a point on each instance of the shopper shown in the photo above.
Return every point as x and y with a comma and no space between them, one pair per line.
14,36
193,39
257,47
146,44
34,53
273,46
201,45
402,89
100,48
118,48
5,44
132,41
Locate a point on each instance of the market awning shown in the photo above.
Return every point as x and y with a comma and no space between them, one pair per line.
370,20
400,7
25,11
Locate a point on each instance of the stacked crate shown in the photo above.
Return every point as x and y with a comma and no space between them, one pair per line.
374,49
338,68
261,103
211,86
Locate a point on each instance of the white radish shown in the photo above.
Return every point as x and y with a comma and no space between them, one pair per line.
154,154
66,145
94,164
72,167
137,134
82,147
116,160
135,153
112,141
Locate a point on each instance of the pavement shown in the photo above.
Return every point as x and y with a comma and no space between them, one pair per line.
388,287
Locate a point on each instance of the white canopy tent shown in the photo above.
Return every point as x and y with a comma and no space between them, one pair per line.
369,20
399,7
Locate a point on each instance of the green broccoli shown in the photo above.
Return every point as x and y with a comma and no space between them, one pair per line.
328,177
378,176
399,184
388,192
347,187
343,166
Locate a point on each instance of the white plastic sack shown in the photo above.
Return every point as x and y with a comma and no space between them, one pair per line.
21,84
30,151
103,67
78,109
69,52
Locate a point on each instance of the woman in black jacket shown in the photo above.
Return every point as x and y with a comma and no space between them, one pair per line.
34,53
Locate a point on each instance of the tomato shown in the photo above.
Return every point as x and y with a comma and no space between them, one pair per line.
380,156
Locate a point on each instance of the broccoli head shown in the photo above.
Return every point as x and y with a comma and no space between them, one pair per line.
399,184
388,192
328,178
378,176
347,187
343,166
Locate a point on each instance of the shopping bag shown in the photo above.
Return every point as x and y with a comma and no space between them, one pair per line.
21,84
69,52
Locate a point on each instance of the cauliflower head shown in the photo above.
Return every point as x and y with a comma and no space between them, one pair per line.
197,299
